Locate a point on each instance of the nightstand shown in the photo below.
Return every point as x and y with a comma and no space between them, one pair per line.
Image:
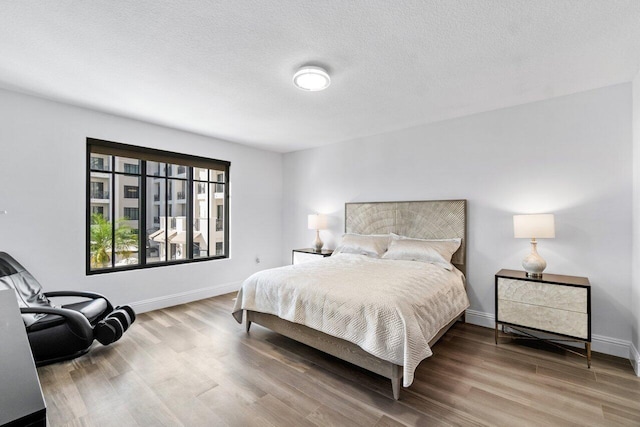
307,254
554,304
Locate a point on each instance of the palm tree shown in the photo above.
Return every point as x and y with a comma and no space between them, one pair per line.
101,235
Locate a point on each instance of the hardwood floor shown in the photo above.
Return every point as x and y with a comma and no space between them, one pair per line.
193,365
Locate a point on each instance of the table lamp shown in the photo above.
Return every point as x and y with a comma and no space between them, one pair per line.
537,226
317,222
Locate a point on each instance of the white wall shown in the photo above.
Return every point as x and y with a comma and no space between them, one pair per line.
570,156
42,170
635,286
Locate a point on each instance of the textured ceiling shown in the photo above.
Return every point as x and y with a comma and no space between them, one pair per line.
224,68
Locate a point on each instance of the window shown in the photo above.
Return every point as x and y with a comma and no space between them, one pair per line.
131,168
130,192
98,163
97,190
220,187
99,210
219,216
182,194
131,213
148,208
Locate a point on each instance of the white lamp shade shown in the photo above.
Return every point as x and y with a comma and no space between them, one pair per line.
317,222
538,226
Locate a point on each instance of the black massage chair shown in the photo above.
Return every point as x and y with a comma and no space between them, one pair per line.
64,332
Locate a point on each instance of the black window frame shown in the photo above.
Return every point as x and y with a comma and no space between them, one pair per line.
145,155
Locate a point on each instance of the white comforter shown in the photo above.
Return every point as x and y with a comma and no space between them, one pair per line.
391,309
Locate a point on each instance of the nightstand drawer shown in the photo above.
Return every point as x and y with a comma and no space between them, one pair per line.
549,319
567,298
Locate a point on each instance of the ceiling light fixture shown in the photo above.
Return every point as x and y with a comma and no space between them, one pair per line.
311,78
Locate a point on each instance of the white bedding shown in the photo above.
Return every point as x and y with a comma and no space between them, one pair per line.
390,308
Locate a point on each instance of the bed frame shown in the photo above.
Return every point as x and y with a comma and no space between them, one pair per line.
434,219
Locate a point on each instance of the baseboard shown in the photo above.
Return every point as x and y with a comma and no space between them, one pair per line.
488,320
599,343
634,357
612,346
184,297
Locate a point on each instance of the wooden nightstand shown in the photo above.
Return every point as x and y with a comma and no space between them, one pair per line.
553,304
299,256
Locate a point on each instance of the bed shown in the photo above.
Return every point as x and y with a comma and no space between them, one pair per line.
407,306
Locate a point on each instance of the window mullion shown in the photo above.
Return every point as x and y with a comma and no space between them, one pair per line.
167,223
113,211
189,212
142,221
209,242
89,211
225,220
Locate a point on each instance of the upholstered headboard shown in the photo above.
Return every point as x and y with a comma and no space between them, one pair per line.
430,219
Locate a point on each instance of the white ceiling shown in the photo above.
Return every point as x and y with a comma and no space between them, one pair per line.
224,68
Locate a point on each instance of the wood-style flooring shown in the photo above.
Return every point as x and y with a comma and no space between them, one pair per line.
193,365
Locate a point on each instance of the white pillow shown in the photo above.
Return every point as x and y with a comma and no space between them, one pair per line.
437,251
373,245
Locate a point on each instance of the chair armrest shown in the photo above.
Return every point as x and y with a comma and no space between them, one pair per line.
79,324
82,294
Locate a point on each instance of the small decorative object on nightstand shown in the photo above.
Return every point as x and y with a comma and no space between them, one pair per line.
305,255
553,304
317,222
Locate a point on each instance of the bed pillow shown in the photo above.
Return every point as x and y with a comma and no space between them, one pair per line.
373,245
436,251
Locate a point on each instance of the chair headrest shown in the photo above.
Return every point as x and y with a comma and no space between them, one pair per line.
28,290
8,265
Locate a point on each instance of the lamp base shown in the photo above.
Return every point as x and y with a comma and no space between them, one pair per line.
318,243
534,264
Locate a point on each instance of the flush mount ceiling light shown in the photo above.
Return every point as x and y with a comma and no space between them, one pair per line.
311,78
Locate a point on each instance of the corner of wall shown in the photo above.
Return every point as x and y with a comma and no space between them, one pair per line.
634,358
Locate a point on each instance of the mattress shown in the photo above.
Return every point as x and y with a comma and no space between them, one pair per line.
389,308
